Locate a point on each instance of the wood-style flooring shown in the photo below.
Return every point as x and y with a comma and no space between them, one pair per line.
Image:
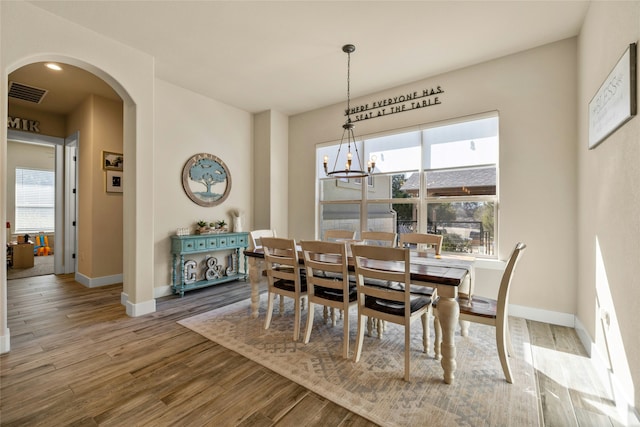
77,359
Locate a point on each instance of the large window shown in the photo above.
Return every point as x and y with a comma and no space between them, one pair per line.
436,178
35,201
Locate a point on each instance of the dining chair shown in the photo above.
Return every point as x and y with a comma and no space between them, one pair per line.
489,312
256,236
284,277
389,304
421,241
334,235
380,238
328,284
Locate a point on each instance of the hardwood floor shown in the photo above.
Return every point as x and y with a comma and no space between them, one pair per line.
77,359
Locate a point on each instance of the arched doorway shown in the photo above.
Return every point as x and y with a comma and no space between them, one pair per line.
54,106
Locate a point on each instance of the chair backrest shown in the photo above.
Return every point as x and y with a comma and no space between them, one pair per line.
379,264
326,264
333,235
281,259
505,283
420,240
379,238
256,236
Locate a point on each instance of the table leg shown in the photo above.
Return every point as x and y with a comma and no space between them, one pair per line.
255,270
448,315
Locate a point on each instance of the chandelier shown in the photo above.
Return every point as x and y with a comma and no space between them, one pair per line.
350,170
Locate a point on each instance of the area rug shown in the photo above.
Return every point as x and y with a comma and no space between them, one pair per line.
374,387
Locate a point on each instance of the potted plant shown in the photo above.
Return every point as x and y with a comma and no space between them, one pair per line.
221,224
202,226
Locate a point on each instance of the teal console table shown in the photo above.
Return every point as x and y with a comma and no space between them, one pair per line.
188,275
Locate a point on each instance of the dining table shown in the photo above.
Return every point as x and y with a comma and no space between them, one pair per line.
448,273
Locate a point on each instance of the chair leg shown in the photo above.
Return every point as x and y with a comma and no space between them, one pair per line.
508,337
307,330
501,343
267,320
297,310
359,338
345,336
407,351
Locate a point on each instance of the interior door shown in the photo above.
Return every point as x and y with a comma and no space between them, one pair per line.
70,215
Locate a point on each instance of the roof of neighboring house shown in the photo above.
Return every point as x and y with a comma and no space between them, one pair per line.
477,180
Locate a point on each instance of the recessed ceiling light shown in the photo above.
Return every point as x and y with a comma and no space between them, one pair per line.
53,66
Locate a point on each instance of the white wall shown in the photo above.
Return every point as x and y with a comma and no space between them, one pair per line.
534,92
609,204
187,123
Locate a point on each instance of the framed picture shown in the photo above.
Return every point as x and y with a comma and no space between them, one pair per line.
114,181
615,103
112,161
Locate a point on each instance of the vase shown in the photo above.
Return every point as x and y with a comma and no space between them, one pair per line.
237,224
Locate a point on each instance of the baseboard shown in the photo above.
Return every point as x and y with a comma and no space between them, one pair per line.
540,315
94,282
5,342
625,405
139,309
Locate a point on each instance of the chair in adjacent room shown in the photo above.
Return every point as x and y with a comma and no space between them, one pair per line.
255,237
337,235
490,312
327,273
388,304
379,238
284,277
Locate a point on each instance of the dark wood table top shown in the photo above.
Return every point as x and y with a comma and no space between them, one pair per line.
442,270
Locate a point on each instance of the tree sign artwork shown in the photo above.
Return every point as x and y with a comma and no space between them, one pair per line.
206,179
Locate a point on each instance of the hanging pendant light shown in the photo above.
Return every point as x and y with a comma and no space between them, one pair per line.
353,168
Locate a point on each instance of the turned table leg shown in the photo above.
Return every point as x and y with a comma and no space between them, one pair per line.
448,315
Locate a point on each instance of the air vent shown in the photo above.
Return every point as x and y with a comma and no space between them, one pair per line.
26,93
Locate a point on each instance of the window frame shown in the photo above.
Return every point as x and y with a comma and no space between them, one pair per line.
422,201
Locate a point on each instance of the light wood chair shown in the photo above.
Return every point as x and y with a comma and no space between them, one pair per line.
379,238
326,265
421,241
334,235
284,277
255,237
490,312
388,304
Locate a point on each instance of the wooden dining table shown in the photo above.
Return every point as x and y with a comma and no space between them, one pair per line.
445,272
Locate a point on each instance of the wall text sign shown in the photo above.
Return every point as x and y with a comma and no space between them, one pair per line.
396,104
23,124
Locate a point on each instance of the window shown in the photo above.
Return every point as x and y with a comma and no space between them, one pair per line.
437,178
35,200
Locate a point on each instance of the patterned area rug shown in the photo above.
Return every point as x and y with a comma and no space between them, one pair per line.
374,387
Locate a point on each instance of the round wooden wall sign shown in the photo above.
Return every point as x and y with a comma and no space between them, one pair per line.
206,179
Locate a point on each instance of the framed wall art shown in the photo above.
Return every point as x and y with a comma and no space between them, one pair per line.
114,181
615,103
112,161
206,179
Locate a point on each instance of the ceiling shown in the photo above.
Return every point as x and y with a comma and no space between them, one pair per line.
287,55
